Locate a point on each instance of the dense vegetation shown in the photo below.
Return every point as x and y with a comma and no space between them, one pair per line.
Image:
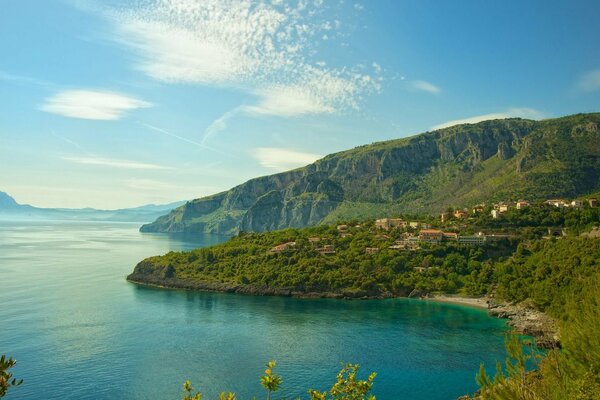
523,265
466,164
572,372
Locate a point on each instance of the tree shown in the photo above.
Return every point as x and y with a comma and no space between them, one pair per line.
6,378
270,380
347,387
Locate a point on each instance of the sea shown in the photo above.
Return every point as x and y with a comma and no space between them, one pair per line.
79,330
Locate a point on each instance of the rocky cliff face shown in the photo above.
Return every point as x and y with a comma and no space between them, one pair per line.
460,165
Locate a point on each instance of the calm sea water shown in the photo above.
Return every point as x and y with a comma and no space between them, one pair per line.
80,331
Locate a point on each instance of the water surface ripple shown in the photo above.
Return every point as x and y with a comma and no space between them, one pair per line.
80,331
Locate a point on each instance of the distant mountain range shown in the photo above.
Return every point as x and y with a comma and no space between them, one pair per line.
9,208
507,159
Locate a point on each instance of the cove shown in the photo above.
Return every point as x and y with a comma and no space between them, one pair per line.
79,330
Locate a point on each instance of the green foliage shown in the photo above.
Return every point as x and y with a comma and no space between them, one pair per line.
570,373
6,377
347,386
270,380
189,392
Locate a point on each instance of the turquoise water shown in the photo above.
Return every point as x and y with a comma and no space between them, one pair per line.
80,331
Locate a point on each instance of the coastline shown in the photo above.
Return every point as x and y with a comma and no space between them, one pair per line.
523,320
475,302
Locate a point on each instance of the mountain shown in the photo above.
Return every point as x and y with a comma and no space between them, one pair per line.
465,164
9,208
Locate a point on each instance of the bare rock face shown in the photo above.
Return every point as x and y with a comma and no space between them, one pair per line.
464,164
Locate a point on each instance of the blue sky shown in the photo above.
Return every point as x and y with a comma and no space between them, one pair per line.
113,104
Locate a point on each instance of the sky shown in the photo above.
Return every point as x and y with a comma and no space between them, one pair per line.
113,104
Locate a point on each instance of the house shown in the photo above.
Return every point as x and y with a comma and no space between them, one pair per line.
576,203
342,228
282,247
522,204
327,249
444,216
557,203
371,250
593,202
414,224
314,239
459,214
478,239
389,223
450,236
495,214
502,207
345,234
431,236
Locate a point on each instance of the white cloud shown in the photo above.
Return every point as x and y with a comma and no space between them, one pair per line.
426,87
108,162
529,113
259,47
283,159
91,104
590,81
288,101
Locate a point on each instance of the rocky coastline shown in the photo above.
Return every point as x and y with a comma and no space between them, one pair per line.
252,290
528,321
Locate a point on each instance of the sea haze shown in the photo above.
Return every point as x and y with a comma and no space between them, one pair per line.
79,330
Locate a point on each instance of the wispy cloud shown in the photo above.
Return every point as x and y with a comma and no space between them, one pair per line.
289,101
8,77
590,81
263,48
219,124
529,113
426,87
283,159
109,162
91,104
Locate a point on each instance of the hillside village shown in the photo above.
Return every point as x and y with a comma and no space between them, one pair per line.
410,235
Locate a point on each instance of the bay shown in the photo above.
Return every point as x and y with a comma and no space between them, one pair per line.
79,330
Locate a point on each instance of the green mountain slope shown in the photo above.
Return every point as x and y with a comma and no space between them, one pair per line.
461,165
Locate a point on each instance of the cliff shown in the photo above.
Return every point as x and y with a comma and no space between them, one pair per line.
464,164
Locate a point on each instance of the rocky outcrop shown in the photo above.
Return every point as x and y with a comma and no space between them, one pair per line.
528,322
462,165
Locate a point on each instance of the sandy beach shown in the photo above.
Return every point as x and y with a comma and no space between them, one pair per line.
477,302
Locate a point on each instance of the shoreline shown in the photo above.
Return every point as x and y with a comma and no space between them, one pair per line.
523,320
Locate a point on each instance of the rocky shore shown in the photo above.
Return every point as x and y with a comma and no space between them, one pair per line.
524,320
253,290
528,322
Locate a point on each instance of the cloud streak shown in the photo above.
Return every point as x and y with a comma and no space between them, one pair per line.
108,162
529,113
590,81
91,104
260,47
283,159
426,87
